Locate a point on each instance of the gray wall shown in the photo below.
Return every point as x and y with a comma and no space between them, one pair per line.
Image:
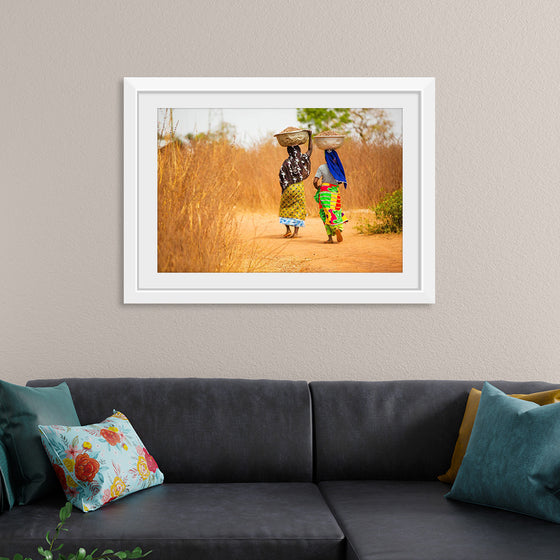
498,188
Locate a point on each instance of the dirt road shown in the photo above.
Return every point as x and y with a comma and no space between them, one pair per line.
308,253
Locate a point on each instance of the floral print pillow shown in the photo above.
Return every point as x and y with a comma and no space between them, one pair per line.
99,463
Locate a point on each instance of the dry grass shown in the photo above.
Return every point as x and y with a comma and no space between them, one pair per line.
197,190
203,185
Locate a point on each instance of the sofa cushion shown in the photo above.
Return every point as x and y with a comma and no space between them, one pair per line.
276,521
513,457
412,520
209,430
541,398
395,430
100,463
21,410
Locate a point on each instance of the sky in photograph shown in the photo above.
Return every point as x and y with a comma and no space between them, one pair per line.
251,125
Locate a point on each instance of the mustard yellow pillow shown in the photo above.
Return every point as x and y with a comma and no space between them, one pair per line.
541,398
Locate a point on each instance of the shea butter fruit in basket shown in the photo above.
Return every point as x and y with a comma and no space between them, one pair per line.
292,136
329,140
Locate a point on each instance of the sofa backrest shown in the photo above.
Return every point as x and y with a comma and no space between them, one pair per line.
208,430
394,430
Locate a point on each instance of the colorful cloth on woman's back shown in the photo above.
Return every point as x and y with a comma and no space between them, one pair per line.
330,207
292,205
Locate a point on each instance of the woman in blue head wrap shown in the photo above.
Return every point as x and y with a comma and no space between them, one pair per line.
327,180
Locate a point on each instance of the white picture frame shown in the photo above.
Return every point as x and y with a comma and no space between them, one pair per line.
142,282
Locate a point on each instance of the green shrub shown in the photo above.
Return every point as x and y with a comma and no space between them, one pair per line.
388,216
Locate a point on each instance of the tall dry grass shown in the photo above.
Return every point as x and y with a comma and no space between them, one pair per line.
197,190
372,170
204,185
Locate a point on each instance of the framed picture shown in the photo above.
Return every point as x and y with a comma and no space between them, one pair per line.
279,190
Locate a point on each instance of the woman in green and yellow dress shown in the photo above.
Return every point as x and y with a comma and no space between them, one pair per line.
327,180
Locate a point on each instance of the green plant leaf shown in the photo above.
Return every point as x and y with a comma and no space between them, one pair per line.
65,512
68,508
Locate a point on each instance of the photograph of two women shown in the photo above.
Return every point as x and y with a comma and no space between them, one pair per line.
280,190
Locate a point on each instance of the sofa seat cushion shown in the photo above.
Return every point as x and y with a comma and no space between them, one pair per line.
192,521
411,520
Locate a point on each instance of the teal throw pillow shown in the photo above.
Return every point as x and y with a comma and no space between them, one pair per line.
99,463
21,410
513,457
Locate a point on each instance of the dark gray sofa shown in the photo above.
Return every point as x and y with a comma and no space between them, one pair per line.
285,470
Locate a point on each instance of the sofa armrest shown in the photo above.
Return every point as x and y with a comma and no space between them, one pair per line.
6,492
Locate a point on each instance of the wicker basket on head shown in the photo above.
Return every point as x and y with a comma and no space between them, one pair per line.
329,140
291,136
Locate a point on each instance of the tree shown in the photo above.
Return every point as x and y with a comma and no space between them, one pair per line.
369,125
320,119
372,126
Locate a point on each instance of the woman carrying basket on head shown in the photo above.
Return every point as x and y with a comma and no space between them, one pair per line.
294,170
327,180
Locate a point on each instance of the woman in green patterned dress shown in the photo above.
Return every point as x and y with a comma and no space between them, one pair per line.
327,180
